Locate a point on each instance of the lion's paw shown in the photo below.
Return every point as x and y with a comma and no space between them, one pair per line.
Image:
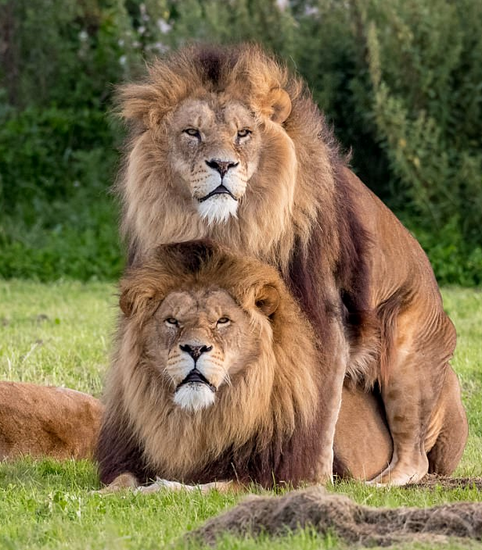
398,476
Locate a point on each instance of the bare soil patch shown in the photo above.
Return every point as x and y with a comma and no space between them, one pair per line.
352,523
431,481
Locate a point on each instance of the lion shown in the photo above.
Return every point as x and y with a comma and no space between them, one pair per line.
225,144
47,421
216,382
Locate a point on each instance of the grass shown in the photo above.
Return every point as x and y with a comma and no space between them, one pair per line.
60,334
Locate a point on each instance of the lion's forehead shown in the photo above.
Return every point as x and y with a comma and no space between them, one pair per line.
194,112
205,303
213,112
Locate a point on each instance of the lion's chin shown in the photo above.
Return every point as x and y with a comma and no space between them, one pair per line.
218,208
194,397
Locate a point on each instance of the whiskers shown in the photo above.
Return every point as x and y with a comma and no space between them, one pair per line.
170,378
227,378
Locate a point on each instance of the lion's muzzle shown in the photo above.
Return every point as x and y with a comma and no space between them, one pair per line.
195,392
220,190
196,377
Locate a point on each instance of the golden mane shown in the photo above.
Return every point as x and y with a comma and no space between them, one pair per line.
243,72
269,413
153,211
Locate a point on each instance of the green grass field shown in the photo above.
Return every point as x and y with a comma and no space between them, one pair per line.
60,334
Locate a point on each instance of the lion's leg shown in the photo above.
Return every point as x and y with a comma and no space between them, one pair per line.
450,428
129,481
332,380
363,445
411,394
404,399
121,482
174,486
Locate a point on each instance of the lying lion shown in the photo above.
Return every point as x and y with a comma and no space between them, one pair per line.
216,379
45,421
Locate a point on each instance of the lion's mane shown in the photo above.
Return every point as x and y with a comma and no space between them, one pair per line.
298,203
263,427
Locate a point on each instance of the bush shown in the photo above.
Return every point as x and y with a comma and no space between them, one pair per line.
399,80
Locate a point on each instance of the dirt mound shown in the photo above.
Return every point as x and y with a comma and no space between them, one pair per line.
339,515
432,480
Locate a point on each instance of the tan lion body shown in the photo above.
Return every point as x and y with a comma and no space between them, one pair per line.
261,424
45,421
226,145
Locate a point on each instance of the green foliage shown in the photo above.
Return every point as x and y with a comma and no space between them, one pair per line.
58,221
399,80
425,61
51,152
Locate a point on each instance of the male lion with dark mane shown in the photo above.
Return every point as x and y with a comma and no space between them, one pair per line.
216,379
225,144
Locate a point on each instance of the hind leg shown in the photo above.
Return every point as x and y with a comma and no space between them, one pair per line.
451,433
363,445
411,393
403,399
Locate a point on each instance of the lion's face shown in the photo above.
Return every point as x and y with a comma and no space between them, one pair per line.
202,338
214,151
212,155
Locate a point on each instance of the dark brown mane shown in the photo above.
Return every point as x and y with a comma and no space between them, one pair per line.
191,255
283,459
213,62
118,451
351,270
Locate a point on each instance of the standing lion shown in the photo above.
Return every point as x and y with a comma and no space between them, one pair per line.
226,144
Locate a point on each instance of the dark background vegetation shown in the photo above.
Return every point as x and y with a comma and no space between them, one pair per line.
400,80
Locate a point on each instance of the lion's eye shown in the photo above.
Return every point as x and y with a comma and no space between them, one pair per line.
171,322
245,132
193,132
223,321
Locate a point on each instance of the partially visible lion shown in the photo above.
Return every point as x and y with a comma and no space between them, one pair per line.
225,144
216,379
45,421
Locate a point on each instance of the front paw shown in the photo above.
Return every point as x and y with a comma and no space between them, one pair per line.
120,483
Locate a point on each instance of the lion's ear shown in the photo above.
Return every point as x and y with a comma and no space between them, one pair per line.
126,303
136,103
267,300
280,104
136,300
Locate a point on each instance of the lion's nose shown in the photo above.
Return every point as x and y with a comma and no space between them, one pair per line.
222,166
195,351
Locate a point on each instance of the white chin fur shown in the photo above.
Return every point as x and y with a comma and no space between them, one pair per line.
194,397
217,209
